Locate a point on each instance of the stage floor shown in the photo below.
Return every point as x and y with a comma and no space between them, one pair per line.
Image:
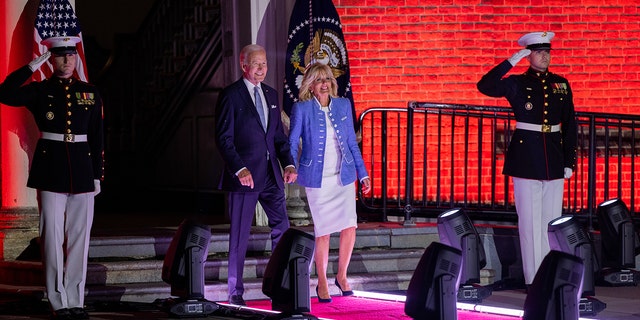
622,303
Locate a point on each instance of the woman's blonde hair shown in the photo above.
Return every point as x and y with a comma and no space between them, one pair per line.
313,72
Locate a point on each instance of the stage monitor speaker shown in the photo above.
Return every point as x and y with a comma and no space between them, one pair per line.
620,245
456,229
567,235
620,242
555,291
432,291
286,277
183,269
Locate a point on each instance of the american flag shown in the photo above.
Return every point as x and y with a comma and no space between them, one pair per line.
56,18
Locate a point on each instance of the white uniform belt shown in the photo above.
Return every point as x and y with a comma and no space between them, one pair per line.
538,127
65,137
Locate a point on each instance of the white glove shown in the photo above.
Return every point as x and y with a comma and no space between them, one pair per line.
568,172
38,61
516,57
96,184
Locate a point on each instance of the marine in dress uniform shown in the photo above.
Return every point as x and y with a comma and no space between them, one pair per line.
66,169
542,150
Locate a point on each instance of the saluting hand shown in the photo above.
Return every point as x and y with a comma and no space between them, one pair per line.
38,61
516,57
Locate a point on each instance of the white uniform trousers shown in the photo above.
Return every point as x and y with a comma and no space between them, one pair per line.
537,203
65,217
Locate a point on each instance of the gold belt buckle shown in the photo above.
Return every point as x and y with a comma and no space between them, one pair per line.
69,137
546,128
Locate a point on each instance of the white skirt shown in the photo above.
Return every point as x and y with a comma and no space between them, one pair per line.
333,207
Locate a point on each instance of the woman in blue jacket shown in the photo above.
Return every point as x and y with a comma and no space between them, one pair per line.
326,153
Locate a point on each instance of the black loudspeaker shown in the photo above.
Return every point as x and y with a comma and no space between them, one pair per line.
432,291
456,229
567,235
183,269
620,244
555,291
286,277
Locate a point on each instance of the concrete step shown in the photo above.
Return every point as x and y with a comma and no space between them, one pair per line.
127,265
155,243
214,290
215,269
217,290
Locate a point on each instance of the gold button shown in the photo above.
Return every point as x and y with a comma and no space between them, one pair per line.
68,130
68,121
546,120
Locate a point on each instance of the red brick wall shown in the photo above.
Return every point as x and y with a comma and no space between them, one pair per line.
429,50
436,51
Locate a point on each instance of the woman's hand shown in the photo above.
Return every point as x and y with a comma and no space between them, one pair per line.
366,185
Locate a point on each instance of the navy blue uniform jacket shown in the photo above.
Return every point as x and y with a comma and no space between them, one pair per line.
242,141
60,106
537,98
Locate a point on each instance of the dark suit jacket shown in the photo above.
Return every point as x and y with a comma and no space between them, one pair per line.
242,141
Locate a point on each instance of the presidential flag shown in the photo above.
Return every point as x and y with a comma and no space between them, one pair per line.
315,35
56,18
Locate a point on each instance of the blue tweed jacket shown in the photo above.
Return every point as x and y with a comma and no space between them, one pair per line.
308,122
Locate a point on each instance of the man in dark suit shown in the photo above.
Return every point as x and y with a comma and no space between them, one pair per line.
253,145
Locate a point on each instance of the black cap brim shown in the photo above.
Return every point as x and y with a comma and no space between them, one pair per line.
64,50
539,46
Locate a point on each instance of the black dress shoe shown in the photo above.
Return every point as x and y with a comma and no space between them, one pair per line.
322,300
79,313
62,314
237,300
344,293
